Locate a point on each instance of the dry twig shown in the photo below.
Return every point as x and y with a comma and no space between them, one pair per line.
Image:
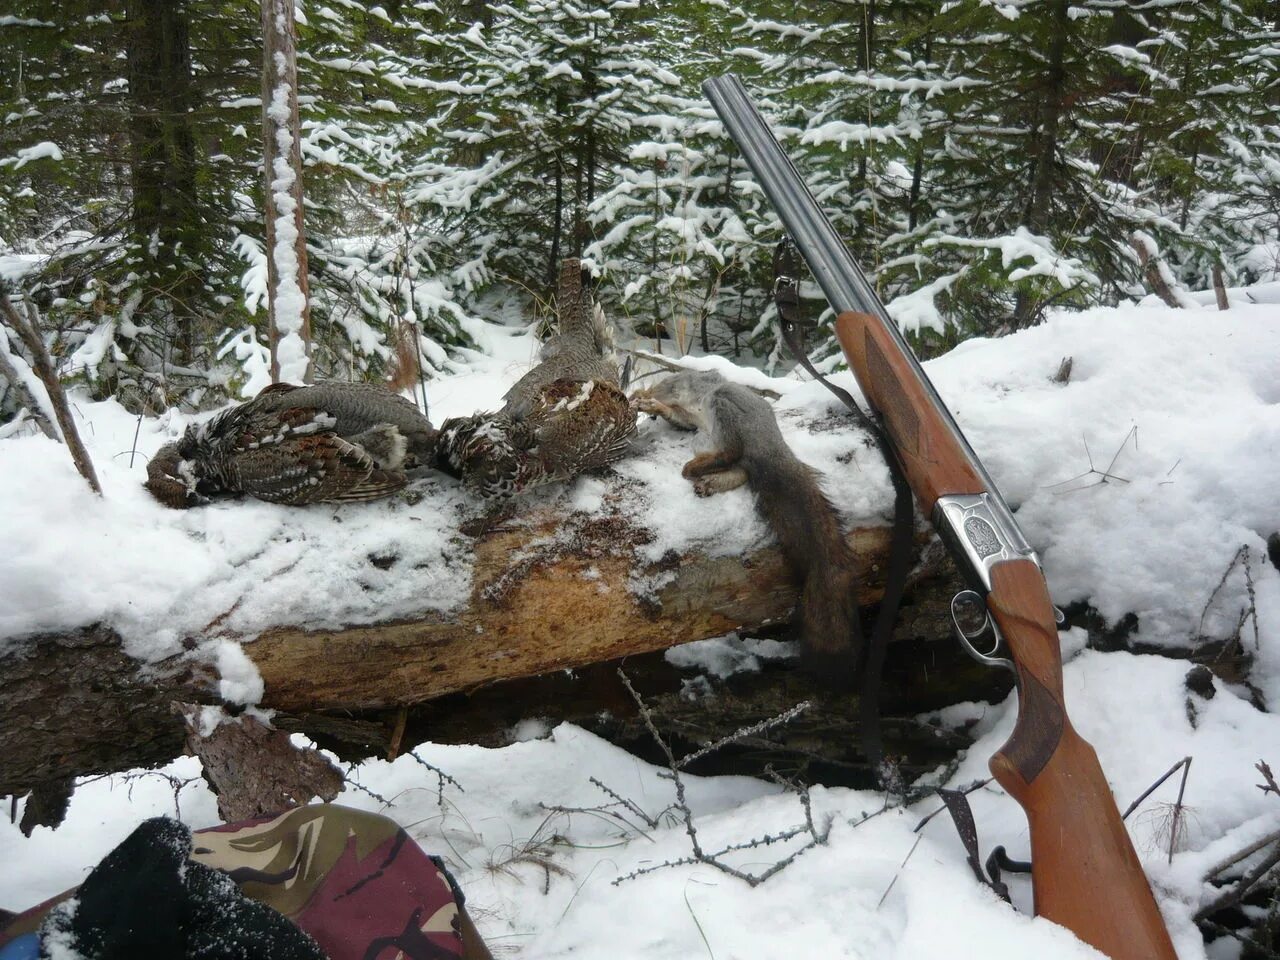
441,777
1246,851
1104,476
816,836
28,330
1237,893
1251,879
1184,762
1243,559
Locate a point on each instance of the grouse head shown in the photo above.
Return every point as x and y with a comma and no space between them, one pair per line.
491,453
170,479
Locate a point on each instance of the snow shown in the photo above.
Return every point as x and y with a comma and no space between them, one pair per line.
1023,245
1181,409
15,267
127,561
39,151
866,893
290,298
915,311
1199,390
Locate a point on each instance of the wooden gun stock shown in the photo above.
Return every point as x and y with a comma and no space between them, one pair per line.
922,440
1085,872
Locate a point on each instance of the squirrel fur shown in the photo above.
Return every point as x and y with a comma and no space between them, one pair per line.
749,448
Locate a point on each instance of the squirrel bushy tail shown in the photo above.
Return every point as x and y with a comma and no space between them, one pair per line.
790,499
808,529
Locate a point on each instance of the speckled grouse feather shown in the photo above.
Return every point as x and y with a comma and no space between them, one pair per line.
582,348
574,426
296,445
564,417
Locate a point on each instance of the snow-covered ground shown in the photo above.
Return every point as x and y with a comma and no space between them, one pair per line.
1181,408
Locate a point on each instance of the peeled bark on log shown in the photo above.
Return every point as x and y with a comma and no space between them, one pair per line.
556,608
925,670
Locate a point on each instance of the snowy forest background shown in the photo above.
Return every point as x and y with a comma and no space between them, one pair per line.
986,158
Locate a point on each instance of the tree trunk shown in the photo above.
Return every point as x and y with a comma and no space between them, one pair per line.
165,216
866,62
557,220
917,168
1220,288
288,288
480,11
1044,177
913,202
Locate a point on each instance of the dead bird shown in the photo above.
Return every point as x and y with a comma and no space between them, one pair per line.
296,445
572,426
566,416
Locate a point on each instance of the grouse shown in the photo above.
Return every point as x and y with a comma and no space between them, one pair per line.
295,445
566,416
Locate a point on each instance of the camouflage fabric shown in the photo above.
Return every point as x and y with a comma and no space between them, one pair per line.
355,882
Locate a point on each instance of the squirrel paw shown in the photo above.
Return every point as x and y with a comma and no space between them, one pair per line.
650,405
709,484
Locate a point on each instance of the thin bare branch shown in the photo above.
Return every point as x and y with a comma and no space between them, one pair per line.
1237,893
1184,762
1246,851
28,330
816,836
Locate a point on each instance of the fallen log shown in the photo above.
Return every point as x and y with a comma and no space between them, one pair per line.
546,597
549,594
925,670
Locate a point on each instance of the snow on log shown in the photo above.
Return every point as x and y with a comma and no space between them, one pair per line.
537,610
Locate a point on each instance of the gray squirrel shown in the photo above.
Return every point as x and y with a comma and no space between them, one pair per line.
749,448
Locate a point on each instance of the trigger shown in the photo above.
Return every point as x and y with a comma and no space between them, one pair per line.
976,630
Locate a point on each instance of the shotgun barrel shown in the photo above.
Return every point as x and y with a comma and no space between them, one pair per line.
1085,872
847,289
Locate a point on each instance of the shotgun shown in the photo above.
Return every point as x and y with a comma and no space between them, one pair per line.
1085,872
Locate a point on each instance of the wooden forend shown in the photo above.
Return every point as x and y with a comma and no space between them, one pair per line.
935,463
